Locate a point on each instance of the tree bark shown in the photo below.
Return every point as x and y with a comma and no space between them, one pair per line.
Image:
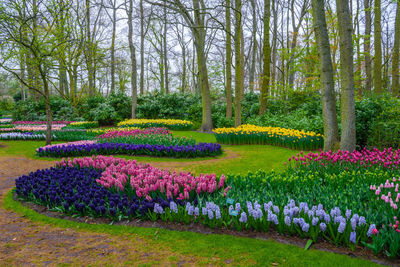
238,62
141,48
266,59
367,45
396,55
112,48
254,47
274,43
228,47
165,52
89,50
331,130
200,36
133,60
347,105
377,47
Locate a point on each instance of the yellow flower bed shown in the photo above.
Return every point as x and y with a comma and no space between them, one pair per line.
168,123
252,134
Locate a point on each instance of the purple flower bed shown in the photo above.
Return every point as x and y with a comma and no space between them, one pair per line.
74,190
199,150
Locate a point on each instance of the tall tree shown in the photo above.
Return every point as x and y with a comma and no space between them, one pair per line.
254,46
377,47
347,105
228,52
142,34
367,45
133,60
89,50
331,129
113,4
396,55
165,63
238,62
266,59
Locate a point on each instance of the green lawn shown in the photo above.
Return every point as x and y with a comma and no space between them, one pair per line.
241,251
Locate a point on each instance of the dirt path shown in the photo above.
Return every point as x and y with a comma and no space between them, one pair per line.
23,242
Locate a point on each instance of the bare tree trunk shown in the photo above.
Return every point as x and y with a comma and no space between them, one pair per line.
367,45
358,76
112,48
238,62
228,64
331,131
274,43
183,85
89,50
377,47
266,60
347,106
396,55
200,36
165,52
141,48
254,47
133,60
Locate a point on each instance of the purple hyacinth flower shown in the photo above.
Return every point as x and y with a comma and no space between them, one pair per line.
361,221
314,221
320,207
342,226
210,214
353,237
356,217
158,209
348,214
353,222
327,218
310,214
196,211
301,222
276,209
217,214
173,207
204,211
296,221
288,220
305,227
190,210
322,227
243,217
237,207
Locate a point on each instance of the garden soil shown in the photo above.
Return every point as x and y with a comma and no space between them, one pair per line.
23,242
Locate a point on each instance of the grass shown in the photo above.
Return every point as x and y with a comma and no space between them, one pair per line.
214,249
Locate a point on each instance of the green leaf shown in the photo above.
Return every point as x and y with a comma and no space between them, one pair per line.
308,244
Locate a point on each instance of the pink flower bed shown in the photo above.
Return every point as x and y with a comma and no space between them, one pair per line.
388,158
392,192
120,133
144,179
40,122
84,142
33,128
